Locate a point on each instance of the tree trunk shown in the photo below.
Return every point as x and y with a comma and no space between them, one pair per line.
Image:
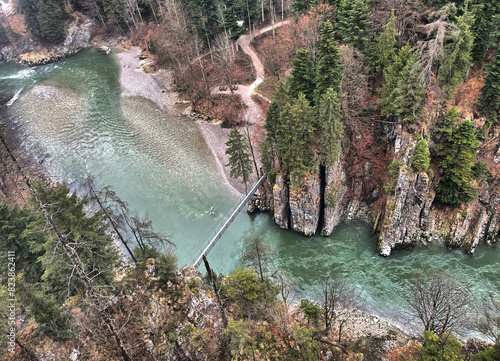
70,252
216,292
113,225
251,150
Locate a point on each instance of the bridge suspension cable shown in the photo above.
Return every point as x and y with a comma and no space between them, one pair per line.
218,233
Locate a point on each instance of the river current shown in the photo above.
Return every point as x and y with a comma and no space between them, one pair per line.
72,116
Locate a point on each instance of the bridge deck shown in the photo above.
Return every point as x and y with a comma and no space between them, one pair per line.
227,223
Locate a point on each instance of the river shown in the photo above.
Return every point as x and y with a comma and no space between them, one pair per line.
72,116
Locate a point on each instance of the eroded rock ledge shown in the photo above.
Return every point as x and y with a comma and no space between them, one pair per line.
400,218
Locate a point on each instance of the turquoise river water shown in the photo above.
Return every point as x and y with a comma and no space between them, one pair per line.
72,115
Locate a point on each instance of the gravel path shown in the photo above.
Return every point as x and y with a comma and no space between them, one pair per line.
253,115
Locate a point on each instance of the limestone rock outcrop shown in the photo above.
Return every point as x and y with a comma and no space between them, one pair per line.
281,205
334,197
405,213
305,204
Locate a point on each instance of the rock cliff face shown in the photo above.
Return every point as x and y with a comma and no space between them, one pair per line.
281,206
335,197
405,212
410,214
305,204
403,215
29,52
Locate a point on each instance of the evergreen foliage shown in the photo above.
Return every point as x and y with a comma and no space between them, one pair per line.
330,126
240,162
491,354
312,311
87,235
403,92
44,19
53,321
51,20
302,77
308,344
294,137
4,40
166,267
301,6
243,8
490,93
241,344
385,47
18,234
421,156
354,26
486,27
456,153
248,292
269,151
204,15
328,67
457,58
444,348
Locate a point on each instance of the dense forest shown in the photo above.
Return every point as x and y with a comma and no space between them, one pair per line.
341,76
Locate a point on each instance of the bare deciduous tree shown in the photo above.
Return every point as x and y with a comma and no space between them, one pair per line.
337,299
258,256
74,260
441,303
488,322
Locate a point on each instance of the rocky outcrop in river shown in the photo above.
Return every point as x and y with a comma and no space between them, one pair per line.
402,215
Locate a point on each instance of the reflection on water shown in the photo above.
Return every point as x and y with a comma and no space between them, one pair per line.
72,115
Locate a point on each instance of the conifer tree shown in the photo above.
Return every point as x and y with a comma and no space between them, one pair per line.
330,127
403,92
457,160
204,14
457,58
294,137
385,47
50,19
302,77
421,156
354,25
238,151
328,68
88,236
444,135
301,6
4,39
269,152
490,94
486,27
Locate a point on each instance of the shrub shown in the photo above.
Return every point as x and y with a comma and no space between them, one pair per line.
421,156
394,168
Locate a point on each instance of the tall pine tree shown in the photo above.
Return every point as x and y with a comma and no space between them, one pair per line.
330,126
269,152
354,26
486,27
421,156
294,137
457,58
403,92
302,78
328,67
385,48
490,94
456,162
240,162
